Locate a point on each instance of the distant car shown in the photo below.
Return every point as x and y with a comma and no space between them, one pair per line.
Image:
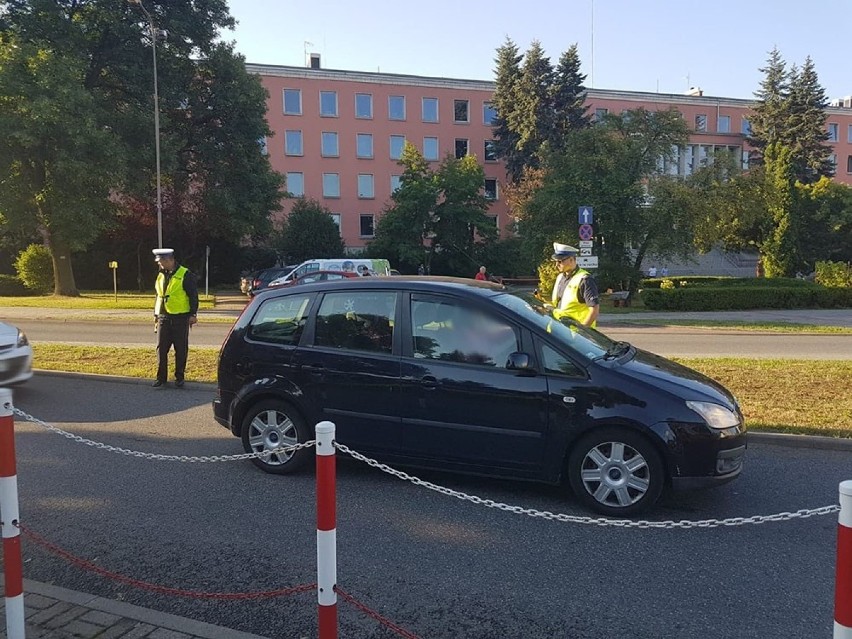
16,355
263,278
317,276
245,282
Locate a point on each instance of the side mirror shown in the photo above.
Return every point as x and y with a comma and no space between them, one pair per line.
520,362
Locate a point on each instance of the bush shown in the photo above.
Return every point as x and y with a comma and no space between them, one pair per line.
702,298
12,286
35,268
717,281
834,274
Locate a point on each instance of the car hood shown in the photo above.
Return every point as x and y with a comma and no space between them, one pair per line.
677,379
8,334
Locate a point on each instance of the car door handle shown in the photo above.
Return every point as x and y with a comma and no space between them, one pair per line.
429,382
314,369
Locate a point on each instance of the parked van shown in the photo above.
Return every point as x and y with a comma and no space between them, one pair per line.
362,267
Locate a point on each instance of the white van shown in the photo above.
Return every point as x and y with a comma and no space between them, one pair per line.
372,267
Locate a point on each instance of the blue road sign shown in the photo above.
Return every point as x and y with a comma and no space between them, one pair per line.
586,215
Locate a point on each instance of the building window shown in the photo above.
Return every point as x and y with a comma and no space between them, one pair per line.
494,219
490,189
701,123
849,163
367,220
462,148
430,149
396,107
745,127
832,132
328,104
366,188
600,114
746,160
296,184
264,145
397,143
330,185
330,144
364,145
833,160
723,124
849,134
430,109
335,217
396,182
364,106
490,153
461,110
293,143
292,102
489,114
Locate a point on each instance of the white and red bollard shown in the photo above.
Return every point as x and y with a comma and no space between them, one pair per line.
326,532
843,583
13,566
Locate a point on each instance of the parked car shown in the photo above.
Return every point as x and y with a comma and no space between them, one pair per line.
356,265
316,276
16,356
264,277
459,375
245,282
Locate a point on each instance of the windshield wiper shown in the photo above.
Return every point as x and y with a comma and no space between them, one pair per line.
617,349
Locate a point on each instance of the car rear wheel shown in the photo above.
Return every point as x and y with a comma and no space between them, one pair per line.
616,472
270,425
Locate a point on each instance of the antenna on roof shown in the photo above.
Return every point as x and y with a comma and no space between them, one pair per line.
305,49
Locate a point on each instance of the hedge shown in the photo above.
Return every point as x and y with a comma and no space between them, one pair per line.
702,298
717,281
12,286
834,274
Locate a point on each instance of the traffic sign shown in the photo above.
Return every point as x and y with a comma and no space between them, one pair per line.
585,215
585,251
587,243
586,232
588,262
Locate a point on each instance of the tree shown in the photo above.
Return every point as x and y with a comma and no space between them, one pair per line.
435,216
806,129
532,117
771,111
504,101
827,207
309,232
568,95
59,157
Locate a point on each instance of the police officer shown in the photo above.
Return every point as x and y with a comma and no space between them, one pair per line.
575,293
175,311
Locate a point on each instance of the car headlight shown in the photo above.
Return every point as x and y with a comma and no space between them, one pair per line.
715,415
22,339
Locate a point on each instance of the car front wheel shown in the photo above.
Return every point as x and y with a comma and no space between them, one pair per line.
616,472
271,425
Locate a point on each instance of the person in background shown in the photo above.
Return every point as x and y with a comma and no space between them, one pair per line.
575,293
665,271
652,272
421,270
175,311
481,275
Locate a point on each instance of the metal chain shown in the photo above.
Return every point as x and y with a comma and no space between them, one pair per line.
156,456
594,521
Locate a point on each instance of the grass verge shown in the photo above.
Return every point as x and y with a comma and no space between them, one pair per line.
738,325
792,396
95,300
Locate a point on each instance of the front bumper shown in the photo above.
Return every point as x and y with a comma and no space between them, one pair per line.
729,465
699,456
16,366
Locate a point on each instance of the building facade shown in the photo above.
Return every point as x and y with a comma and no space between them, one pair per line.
338,135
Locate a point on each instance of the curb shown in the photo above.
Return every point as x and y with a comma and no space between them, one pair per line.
136,613
120,379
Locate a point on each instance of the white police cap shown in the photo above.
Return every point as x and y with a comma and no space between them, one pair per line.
163,253
562,251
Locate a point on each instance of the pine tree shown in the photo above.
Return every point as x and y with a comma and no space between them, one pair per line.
807,125
533,116
504,101
771,111
568,97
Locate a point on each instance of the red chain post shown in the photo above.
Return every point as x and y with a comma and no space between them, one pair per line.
326,531
843,584
13,566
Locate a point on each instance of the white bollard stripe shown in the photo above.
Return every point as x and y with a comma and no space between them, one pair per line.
845,517
9,499
325,438
326,567
842,632
15,617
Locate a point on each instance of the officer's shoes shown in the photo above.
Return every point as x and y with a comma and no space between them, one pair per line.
158,383
179,383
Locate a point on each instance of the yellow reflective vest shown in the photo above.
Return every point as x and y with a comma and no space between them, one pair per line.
174,300
570,305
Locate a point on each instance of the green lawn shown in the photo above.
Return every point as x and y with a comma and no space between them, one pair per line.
95,300
738,325
795,396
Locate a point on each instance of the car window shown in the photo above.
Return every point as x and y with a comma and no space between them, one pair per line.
445,330
280,320
334,276
556,363
357,320
307,279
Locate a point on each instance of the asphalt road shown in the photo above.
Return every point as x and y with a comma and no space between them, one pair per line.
442,568
667,341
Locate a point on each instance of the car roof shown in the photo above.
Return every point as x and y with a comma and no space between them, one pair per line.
425,283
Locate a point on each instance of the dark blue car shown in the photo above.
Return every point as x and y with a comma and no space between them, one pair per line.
464,376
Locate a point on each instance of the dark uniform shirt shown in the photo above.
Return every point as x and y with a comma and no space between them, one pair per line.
190,285
587,292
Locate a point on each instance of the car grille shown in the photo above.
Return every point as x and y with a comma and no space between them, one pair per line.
14,366
6,347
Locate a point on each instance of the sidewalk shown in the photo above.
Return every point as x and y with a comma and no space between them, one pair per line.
58,613
819,317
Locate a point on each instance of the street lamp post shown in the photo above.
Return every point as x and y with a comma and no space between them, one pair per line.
154,33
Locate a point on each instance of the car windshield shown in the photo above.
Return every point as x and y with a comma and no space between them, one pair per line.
586,342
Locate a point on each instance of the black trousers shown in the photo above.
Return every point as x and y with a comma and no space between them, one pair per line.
173,330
